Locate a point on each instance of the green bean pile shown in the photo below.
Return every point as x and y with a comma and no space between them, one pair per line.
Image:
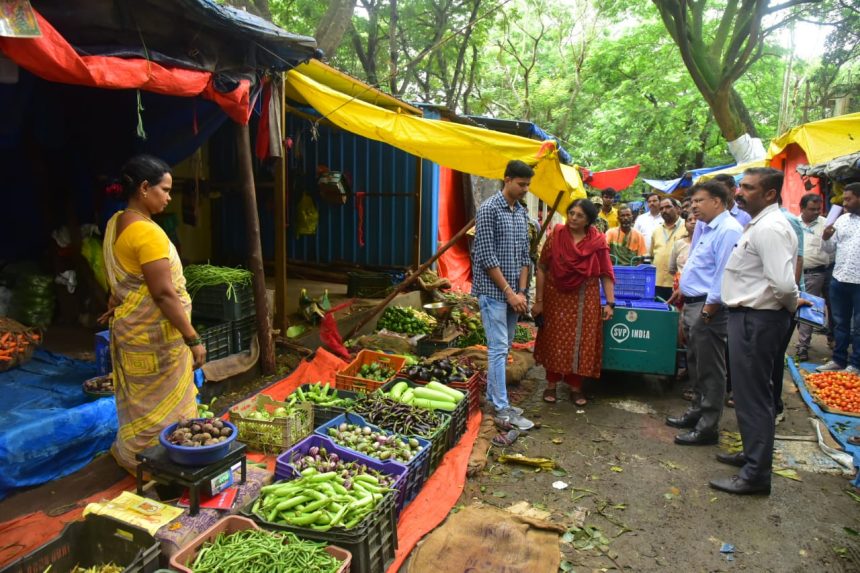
267,552
199,276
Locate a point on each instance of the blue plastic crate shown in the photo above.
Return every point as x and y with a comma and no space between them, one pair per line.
285,470
648,304
419,466
634,283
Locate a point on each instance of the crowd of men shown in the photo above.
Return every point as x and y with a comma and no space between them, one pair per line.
750,261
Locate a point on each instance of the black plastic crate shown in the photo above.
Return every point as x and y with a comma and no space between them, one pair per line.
97,540
243,331
323,414
368,284
217,338
213,303
372,542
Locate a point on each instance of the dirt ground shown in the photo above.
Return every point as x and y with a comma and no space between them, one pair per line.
642,503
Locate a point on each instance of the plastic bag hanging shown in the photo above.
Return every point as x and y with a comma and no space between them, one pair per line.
307,216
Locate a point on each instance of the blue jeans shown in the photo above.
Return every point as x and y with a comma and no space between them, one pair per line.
845,304
500,324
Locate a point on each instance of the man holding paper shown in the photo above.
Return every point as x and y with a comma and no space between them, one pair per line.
817,263
843,238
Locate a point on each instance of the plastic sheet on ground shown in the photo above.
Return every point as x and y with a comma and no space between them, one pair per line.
51,428
841,427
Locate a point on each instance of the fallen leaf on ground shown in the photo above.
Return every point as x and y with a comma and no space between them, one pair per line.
578,516
499,494
525,509
788,473
617,469
557,441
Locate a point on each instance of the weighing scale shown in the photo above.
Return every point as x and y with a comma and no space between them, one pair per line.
210,479
445,334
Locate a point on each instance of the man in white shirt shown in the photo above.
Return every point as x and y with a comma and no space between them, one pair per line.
650,219
761,294
817,263
843,237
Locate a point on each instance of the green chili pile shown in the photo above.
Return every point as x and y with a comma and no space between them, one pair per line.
199,276
320,500
264,551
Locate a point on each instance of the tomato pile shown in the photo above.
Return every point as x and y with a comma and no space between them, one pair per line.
837,390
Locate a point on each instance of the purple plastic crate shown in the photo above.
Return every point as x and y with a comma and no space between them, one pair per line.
419,467
284,469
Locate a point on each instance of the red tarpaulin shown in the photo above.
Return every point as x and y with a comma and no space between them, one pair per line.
52,58
618,179
455,264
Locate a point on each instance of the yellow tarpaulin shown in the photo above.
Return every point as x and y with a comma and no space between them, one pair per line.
346,84
822,140
463,148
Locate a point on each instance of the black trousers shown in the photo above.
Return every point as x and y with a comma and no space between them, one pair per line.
779,368
754,347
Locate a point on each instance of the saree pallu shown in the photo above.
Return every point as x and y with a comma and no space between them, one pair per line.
153,368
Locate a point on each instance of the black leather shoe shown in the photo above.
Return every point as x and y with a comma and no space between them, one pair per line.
696,438
686,420
740,486
737,459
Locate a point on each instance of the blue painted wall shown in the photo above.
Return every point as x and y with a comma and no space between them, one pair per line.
373,167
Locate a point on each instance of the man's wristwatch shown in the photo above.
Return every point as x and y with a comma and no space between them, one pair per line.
610,304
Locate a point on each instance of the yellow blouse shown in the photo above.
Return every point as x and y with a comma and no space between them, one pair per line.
140,243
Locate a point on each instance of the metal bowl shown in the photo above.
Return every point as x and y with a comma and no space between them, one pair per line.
438,310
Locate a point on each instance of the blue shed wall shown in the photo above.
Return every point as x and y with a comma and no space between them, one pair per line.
373,168
429,201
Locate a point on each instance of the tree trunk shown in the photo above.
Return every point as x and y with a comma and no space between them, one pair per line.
333,25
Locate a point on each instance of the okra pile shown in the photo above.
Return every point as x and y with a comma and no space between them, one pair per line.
320,500
394,416
256,550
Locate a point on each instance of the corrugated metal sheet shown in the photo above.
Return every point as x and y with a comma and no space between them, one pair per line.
387,175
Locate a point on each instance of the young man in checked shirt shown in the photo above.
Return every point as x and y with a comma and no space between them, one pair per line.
500,265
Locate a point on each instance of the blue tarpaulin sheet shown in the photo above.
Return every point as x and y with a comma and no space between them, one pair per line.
840,427
686,180
50,427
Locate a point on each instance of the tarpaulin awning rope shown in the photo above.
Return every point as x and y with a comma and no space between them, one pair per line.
52,58
465,148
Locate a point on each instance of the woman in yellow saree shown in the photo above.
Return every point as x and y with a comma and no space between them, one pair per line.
154,347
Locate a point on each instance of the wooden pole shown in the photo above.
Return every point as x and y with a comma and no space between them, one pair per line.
546,221
255,250
411,278
282,182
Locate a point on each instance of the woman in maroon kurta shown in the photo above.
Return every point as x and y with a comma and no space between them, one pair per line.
570,342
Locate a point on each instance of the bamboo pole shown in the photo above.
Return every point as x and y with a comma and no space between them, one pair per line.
255,249
546,221
411,278
282,321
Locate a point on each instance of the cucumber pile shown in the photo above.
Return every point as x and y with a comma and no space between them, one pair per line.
433,396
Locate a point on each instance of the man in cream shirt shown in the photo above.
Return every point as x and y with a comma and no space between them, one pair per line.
761,294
